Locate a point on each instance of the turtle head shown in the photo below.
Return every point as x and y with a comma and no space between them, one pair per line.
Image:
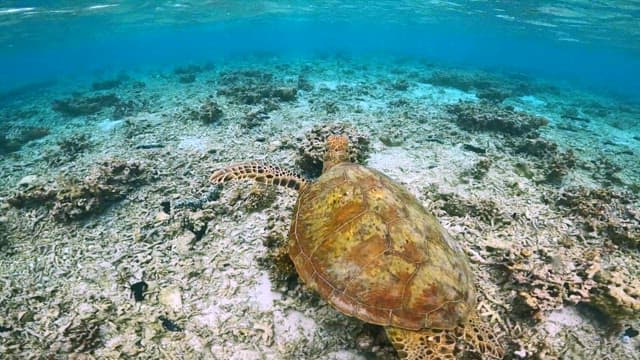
337,151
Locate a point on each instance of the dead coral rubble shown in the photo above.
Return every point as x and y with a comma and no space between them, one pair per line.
544,280
605,212
68,149
277,261
77,198
252,87
257,197
313,146
485,116
484,210
12,139
489,88
575,269
208,112
547,281
4,233
85,105
617,294
107,84
479,169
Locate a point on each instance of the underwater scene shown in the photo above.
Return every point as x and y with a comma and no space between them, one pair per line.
324,179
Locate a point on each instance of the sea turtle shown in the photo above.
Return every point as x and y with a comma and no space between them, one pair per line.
370,249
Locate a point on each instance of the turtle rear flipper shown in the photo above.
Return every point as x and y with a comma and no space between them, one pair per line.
262,173
432,344
425,344
482,339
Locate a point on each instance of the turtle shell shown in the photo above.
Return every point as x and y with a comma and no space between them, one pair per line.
369,248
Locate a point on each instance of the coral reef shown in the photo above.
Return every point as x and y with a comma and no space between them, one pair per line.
208,112
251,87
80,337
605,170
187,78
393,137
484,210
304,84
555,164
617,294
255,118
4,234
194,225
479,169
457,80
34,196
85,105
257,197
537,147
493,95
187,74
312,146
604,211
68,149
537,250
77,198
277,261
12,139
400,85
106,84
485,116
188,69
129,107
489,88
558,166
546,281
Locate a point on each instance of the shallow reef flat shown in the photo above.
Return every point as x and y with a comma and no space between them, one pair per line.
113,244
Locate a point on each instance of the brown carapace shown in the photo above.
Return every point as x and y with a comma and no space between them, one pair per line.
371,250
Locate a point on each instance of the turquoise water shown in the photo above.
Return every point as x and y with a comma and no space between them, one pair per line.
590,44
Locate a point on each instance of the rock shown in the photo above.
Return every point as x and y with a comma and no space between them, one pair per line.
171,297
485,116
27,181
182,244
246,355
617,294
162,216
79,105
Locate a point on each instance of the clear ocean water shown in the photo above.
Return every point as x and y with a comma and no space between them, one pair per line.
587,43
513,127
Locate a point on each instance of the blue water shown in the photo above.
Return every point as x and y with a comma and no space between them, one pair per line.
588,45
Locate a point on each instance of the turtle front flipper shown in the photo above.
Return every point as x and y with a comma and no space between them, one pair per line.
425,344
262,173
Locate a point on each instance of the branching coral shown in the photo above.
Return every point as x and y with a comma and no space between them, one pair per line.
208,112
84,105
12,139
484,210
605,212
257,197
77,198
312,148
252,87
68,149
484,116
